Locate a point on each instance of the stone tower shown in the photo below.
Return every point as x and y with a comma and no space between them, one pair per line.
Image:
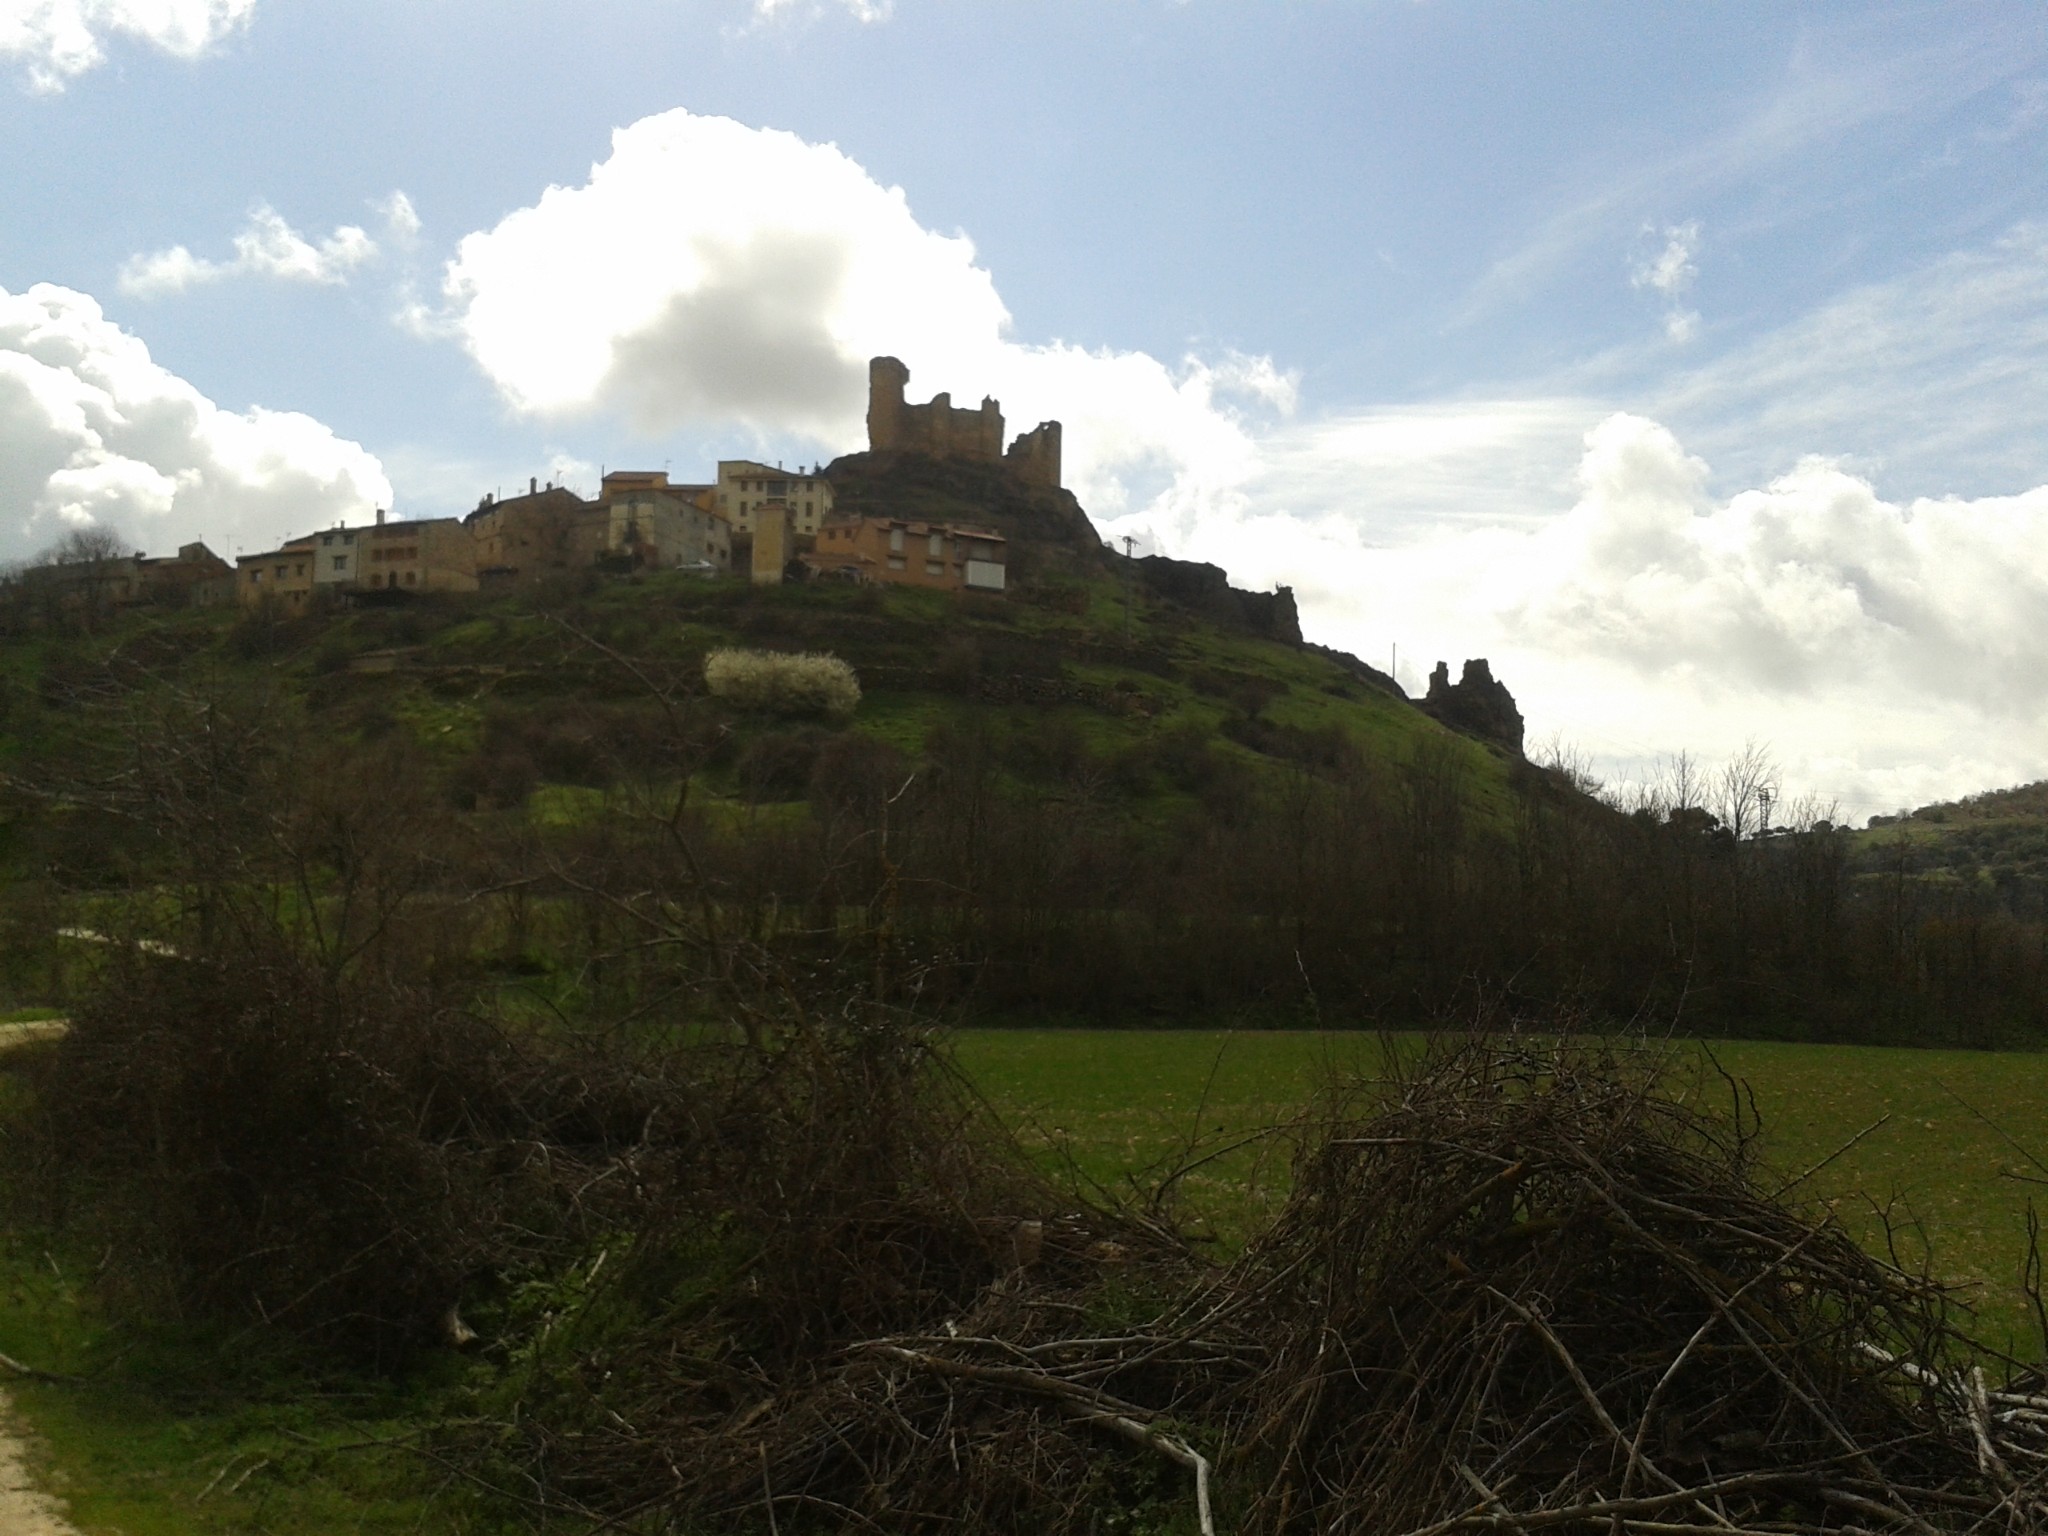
887,379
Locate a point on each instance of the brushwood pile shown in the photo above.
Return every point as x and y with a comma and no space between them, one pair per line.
795,1278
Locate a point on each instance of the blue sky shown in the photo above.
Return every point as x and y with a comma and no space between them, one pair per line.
1686,360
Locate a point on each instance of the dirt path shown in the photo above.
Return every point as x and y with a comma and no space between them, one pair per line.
25,1510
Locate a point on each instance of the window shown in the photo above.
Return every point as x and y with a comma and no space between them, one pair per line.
256,575
937,545
895,562
326,538
297,570
409,580
280,572
896,543
341,562
935,567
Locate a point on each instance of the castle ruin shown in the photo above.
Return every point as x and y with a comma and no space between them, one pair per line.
943,432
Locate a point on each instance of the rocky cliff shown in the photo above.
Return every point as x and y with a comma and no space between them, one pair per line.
1206,589
1476,704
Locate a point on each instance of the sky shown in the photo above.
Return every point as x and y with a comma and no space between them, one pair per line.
1689,362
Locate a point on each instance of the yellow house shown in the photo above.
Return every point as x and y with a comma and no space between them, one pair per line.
744,486
283,576
431,554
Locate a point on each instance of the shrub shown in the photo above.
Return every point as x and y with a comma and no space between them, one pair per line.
264,1141
778,765
781,684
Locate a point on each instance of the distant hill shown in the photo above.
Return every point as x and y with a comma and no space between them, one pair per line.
1996,841
2022,802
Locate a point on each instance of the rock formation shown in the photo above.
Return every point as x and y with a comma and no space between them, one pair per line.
1207,590
1476,704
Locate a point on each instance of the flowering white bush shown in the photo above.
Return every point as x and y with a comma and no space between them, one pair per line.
783,684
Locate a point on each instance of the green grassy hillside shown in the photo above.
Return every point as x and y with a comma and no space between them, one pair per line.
1076,741
1091,670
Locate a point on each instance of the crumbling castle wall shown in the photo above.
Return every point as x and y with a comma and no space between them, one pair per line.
1035,457
943,431
937,428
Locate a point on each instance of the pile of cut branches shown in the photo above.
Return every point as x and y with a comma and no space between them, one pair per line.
797,1278
1519,1287
1545,1288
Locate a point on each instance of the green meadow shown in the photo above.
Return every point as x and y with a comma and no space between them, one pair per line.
1946,1137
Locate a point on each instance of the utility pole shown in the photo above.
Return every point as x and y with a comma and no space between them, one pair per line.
1130,565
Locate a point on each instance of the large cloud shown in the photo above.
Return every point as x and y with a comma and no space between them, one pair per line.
1892,653
92,431
58,40
709,272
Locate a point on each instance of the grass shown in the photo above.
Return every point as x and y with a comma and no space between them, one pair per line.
176,1433
1120,1102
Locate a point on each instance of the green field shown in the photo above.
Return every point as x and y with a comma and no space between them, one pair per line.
1120,1102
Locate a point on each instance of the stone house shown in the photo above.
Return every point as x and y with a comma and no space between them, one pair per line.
193,577
662,526
952,557
434,554
428,554
524,539
283,576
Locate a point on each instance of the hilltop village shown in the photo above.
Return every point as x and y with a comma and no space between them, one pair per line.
891,516
760,521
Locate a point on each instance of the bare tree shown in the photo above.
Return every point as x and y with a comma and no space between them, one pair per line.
1745,790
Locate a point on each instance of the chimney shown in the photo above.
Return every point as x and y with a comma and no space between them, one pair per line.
380,517
532,484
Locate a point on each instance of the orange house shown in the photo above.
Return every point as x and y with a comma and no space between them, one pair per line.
952,557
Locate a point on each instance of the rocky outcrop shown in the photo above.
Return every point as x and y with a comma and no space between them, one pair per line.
1046,527
1477,704
1206,589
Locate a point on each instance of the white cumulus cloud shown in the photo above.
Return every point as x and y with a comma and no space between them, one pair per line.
93,431
709,272
1892,652
58,40
267,247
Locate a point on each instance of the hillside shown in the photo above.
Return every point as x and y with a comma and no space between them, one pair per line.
1121,791
1996,842
1083,747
